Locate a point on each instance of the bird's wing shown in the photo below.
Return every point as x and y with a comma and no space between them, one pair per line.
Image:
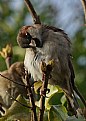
71,70
69,56
57,30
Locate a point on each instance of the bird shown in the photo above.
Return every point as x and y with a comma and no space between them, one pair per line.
8,88
44,43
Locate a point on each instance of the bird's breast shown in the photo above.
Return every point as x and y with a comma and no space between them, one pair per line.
32,64
33,61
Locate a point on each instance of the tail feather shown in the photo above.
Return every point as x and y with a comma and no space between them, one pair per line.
73,83
80,95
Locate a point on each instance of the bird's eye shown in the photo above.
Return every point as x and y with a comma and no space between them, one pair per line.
28,36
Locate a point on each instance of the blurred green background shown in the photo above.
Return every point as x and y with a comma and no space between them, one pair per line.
67,15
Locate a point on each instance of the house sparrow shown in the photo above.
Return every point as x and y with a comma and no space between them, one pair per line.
44,43
10,89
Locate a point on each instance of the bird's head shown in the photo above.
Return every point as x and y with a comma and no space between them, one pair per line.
30,36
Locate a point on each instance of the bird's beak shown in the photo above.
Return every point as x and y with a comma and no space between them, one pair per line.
32,44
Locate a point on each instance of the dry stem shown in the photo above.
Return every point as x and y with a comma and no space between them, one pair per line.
43,90
84,7
35,17
31,97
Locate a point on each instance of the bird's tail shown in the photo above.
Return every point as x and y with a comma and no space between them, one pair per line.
79,94
73,105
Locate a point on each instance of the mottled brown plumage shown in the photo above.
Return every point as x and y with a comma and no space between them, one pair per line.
9,88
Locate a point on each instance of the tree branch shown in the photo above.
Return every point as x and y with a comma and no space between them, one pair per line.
31,97
35,17
18,101
12,80
46,75
84,7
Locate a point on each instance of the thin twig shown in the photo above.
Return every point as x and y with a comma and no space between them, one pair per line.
32,11
12,80
84,7
18,101
31,97
46,76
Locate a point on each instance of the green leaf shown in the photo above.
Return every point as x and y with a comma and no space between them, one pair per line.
53,89
73,118
63,99
55,99
37,86
57,113
53,116
54,95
